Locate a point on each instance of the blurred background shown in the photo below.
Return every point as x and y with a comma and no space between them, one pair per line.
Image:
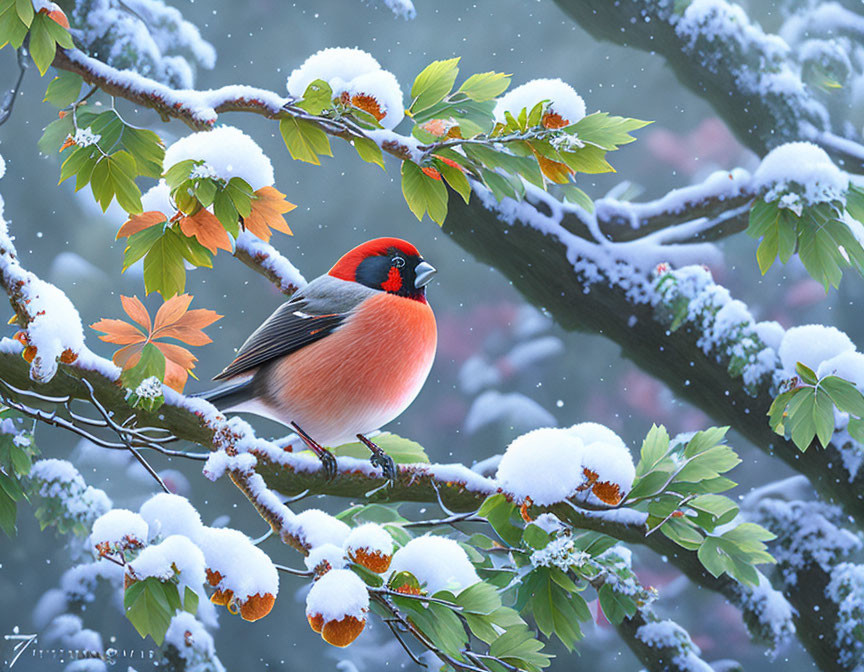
502,367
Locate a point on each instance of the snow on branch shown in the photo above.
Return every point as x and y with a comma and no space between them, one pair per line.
753,79
682,316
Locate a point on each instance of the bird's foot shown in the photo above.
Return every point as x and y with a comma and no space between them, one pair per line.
328,462
380,459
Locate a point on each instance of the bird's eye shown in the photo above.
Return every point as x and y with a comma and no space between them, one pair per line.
398,262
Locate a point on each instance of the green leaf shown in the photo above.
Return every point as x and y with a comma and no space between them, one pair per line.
226,213
711,557
152,363
140,243
433,84
24,8
823,417
575,195
455,178
423,194
146,148
8,511
499,512
807,374
588,159
42,44
402,450
479,598
654,449
12,29
190,600
304,140
179,173
317,97
146,605
241,194
368,150
63,89
535,537
844,395
485,85
606,131
799,422
616,606
819,250
163,266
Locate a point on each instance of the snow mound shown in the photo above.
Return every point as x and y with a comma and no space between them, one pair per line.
228,152
316,527
175,555
848,365
353,72
370,537
545,465
244,568
337,594
116,526
158,198
563,100
437,562
812,344
168,514
805,165
330,553
612,462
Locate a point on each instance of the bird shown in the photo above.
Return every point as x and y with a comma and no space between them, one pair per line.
344,356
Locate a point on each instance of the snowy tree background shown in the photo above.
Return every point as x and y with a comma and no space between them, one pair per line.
512,357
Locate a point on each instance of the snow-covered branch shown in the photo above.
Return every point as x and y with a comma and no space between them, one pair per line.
751,78
613,289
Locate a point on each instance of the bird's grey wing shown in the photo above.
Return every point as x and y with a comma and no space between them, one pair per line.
310,315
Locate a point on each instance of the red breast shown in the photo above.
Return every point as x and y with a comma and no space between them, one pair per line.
362,375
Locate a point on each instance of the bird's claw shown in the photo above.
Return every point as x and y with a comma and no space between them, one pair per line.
328,464
388,466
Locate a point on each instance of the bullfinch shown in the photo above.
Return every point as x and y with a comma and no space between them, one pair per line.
344,356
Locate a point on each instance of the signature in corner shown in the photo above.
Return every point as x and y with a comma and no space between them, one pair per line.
21,644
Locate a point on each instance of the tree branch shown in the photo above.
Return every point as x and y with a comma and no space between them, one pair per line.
748,77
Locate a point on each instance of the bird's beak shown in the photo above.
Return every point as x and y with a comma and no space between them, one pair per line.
423,274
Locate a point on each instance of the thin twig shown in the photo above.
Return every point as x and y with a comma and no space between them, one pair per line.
12,95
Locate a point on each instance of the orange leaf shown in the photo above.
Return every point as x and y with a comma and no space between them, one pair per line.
173,320
118,331
208,230
554,170
129,356
267,213
175,376
136,310
429,171
57,16
171,311
68,142
177,354
137,223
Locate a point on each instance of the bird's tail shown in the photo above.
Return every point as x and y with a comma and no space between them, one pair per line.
229,395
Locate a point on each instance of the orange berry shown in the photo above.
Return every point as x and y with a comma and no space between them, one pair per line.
316,622
554,120
222,597
374,561
29,353
368,104
523,510
68,356
408,589
257,606
342,633
608,493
